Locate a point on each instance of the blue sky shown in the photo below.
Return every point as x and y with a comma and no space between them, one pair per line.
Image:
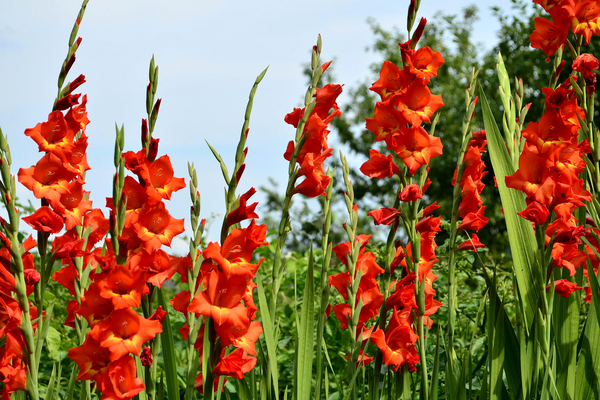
209,53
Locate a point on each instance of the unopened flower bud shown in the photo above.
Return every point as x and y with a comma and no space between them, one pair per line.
144,131
418,32
31,277
146,357
159,315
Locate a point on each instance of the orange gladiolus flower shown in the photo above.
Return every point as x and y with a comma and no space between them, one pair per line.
235,255
47,179
221,299
155,227
548,35
120,380
159,179
397,344
386,121
122,286
236,364
415,147
45,220
584,16
243,211
53,136
91,358
125,332
531,178
417,104
392,80
424,63
72,205
379,166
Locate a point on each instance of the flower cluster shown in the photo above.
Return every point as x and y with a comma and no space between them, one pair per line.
471,208
406,103
368,298
13,370
116,287
224,296
314,150
580,15
548,174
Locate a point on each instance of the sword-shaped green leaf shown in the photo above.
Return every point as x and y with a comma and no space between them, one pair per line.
520,232
306,336
169,355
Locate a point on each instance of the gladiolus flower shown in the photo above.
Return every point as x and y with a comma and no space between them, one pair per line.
236,364
585,63
45,220
379,166
564,287
385,216
121,381
155,227
471,244
535,212
424,63
411,193
243,211
125,332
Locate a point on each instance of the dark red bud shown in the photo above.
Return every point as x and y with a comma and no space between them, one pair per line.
31,277
69,64
146,357
418,32
559,68
76,83
159,315
144,130
153,150
239,173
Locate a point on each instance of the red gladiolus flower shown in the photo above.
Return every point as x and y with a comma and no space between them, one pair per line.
125,332
471,244
548,35
564,287
155,227
45,220
424,63
146,357
236,364
91,358
415,147
535,212
120,381
411,193
379,166
397,344
47,179
474,221
385,216
243,211
243,338
585,63
221,299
